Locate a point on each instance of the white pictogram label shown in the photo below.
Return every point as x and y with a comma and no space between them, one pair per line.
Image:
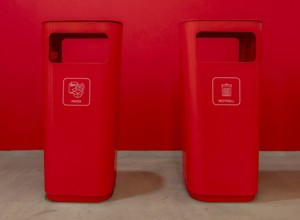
226,90
76,91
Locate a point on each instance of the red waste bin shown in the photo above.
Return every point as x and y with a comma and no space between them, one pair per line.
221,109
81,96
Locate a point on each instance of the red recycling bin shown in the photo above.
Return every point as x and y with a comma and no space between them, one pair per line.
81,70
221,108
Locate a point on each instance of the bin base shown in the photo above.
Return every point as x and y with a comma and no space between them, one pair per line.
207,198
61,198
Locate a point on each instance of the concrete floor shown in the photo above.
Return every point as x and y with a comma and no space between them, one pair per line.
149,186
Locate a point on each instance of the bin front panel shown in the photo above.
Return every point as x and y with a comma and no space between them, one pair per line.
221,116
81,116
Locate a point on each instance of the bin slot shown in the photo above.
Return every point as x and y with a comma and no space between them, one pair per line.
225,47
78,48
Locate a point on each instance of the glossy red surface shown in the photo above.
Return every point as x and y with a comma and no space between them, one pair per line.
221,113
222,198
81,109
150,92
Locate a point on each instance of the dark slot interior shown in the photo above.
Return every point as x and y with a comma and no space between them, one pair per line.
226,46
78,48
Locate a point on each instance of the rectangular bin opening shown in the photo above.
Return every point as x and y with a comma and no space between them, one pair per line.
78,48
225,47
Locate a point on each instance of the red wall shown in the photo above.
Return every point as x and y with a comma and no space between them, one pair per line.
150,98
